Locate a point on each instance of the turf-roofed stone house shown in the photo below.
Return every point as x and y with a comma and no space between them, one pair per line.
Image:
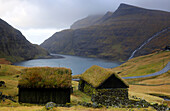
40,85
98,80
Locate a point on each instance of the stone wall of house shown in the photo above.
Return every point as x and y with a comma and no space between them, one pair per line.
90,90
111,96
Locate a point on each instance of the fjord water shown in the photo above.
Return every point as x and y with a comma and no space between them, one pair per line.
77,64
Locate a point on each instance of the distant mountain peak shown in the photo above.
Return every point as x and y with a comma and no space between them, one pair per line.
123,5
125,9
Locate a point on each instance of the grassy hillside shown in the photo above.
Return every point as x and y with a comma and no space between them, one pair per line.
15,47
156,87
114,36
144,65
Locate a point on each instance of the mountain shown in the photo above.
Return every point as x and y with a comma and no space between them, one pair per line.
114,36
15,47
86,22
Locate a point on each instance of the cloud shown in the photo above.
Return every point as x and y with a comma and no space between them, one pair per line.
25,14
38,35
29,15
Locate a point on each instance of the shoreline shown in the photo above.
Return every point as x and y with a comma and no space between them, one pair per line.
51,57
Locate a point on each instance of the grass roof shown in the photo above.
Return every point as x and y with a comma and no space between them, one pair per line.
96,75
45,77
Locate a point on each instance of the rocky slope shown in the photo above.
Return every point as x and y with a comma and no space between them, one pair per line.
15,47
114,36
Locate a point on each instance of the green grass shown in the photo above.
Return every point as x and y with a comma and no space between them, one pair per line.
157,80
144,65
10,70
78,95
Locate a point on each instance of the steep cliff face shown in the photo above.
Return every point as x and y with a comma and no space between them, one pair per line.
15,47
114,36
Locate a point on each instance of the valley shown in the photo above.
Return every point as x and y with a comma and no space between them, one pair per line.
116,61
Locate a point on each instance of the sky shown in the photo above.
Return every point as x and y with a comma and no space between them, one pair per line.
40,19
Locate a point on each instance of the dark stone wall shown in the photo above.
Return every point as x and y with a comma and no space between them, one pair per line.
118,92
44,95
111,96
112,82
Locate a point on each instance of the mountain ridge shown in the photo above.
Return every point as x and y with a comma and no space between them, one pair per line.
85,22
114,38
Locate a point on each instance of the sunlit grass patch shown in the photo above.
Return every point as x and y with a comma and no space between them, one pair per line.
10,70
144,65
22,108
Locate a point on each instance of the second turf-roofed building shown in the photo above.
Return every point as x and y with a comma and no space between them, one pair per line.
98,79
40,85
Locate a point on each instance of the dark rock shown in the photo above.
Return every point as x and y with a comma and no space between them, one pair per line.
17,76
2,83
161,107
50,105
95,105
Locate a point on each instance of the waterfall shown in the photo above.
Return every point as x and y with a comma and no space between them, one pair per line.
158,33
